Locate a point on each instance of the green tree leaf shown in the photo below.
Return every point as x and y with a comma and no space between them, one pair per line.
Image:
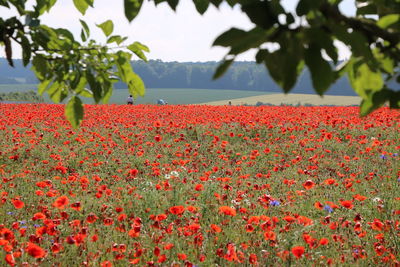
321,72
107,27
95,86
374,101
201,5
115,39
357,41
85,93
222,68
81,5
4,3
324,40
85,27
8,50
57,91
41,67
363,79
303,7
136,84
260,13
173,3
285,64
388,20
241,41
125,71
43,86
229,37
132,8
386,63
83,36
74,111
26,50
138,49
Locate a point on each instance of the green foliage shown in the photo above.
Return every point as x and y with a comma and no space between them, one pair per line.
107,27
82,5
321,72
132,8
74,111
65,66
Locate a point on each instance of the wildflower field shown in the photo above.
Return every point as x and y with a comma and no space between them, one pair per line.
199,185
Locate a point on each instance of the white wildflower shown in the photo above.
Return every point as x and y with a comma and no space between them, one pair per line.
174,173
377,199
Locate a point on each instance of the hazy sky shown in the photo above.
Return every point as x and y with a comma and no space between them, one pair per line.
183,35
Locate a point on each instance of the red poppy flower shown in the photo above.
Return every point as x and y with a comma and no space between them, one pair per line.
35,251
298,251
308,184
158,138
177,210
324,241
134,261
76,206
359,197
270,235
169,246
61,202
182,256
227,211
56,248
133,172
253,259
330,181
10,259
94,238
162,258
18,204
318,205
108,221
91,218
38,216
215,228
191,209
289,219
347,204
377,225
199,187
160,217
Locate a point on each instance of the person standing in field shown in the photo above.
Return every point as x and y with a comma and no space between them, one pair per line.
161,102
129,100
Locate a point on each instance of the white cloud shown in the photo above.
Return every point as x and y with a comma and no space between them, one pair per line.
183,35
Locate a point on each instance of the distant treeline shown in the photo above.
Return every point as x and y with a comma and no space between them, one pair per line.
29,96
158,74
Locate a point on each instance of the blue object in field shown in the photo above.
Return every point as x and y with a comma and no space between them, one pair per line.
161,102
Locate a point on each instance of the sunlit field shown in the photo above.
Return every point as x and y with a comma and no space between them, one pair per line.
199,186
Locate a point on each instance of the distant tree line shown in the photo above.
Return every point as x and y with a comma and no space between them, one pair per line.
28,96
247,76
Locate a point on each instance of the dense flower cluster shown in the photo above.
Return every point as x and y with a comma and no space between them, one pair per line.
199,185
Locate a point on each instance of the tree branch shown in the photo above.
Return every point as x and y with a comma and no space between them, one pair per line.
370,29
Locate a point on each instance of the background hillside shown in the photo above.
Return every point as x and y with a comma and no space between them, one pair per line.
247,76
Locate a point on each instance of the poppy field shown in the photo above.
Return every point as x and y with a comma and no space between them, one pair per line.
199,186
